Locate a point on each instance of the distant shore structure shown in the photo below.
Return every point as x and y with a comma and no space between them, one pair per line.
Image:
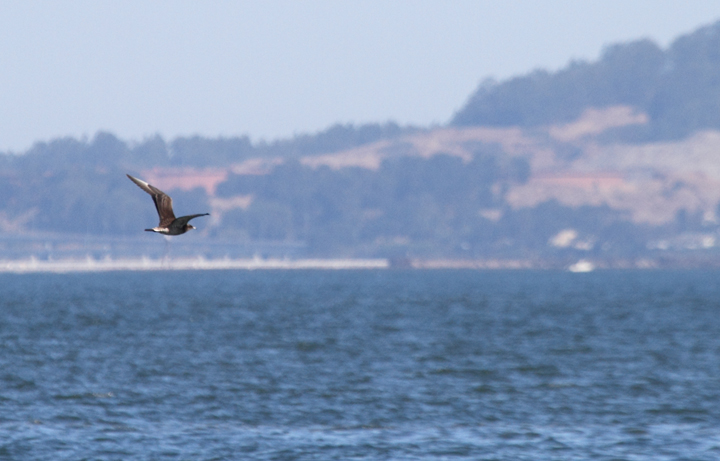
34,265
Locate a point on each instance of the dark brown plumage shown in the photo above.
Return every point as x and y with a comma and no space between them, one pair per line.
169,224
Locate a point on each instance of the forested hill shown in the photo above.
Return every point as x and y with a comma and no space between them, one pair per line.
678,88
614,160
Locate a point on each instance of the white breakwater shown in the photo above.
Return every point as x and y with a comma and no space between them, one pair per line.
198,263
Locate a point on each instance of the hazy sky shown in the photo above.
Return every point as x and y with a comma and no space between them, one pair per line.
272,69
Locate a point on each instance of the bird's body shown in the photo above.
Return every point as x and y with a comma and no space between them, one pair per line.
169,224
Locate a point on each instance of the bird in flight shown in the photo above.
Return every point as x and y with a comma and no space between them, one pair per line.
169,224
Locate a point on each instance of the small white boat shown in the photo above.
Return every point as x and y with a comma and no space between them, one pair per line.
582,266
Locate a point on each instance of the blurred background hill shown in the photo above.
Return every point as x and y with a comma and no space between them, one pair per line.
615,160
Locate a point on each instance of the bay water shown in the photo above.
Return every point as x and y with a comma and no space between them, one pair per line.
369,365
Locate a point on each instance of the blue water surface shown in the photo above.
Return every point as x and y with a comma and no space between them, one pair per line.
401,365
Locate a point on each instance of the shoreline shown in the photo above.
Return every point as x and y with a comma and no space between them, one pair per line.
88,264
34,265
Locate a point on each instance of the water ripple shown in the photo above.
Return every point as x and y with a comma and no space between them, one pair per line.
360,365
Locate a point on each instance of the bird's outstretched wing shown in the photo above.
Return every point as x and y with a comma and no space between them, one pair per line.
163,202
182,220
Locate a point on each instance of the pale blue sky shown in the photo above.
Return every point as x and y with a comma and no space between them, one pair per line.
272,69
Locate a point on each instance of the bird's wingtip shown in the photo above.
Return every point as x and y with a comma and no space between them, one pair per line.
142,184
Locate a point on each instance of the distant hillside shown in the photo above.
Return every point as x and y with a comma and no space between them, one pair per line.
78,186
616,161
678,88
